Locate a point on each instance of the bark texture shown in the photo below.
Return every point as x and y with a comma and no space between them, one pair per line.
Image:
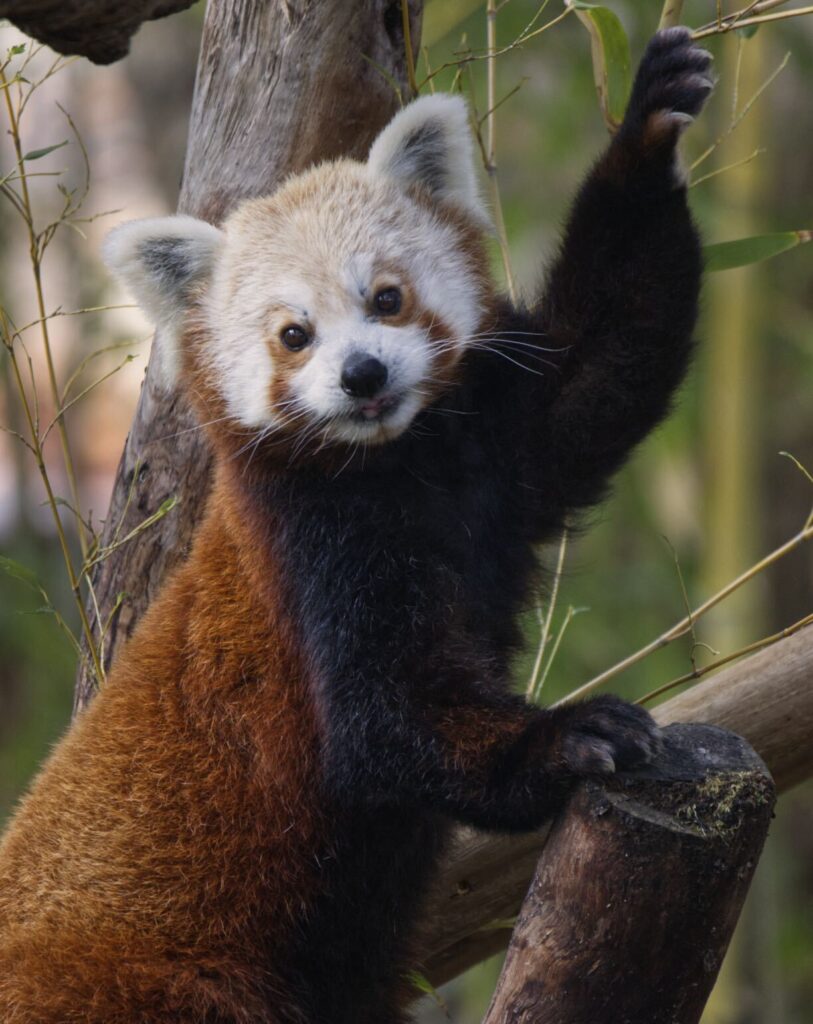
767,698
280,86
97,29
638,889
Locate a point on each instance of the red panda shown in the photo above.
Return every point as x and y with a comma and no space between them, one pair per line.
242,826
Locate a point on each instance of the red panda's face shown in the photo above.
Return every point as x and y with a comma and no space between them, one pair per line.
340,306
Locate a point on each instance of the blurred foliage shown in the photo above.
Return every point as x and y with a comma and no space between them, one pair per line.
549,127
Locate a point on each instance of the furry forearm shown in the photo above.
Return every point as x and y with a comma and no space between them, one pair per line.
621,300
495,763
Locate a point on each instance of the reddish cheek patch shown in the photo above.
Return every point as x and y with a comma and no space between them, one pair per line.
281,389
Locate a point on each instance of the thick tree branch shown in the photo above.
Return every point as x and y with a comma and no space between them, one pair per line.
98,29
636,894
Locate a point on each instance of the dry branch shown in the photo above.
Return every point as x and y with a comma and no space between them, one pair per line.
638,889
293,84
767,698
98,29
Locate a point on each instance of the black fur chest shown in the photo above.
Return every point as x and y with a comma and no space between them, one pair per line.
420,547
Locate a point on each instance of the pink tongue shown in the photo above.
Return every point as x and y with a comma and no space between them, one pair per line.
369,412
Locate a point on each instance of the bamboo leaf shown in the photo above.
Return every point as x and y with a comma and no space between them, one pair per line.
425,986
612,64
21,573
743,251
38,154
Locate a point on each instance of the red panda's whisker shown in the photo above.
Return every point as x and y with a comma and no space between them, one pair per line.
504,355
189,430
530,346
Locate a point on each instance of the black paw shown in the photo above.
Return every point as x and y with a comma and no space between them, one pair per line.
673,82
606,734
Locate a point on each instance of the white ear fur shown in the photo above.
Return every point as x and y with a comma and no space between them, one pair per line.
159,259
429,143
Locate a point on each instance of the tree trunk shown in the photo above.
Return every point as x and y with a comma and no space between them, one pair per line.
280,86
636,894
97,29
766,698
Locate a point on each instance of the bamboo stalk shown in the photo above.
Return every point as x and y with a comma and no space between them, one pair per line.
35,260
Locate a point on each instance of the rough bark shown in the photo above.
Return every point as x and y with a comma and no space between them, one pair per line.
767,698
638,889
98,29
280,86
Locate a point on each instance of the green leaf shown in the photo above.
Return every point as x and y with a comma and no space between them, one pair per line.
37,154
425,986
167,505
743,251
15,51
21,573
612,64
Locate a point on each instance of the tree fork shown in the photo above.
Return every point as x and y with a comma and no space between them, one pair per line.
639,886
280,86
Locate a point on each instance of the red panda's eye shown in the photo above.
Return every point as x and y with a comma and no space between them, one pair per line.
387,302
294,337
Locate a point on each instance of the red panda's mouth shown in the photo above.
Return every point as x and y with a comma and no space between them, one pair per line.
372,409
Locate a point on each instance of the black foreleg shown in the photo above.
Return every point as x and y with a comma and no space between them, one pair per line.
620,303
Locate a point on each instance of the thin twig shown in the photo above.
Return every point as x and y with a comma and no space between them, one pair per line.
543,639
727,26
472,55
35,253
570,614
728,167
53,505
410,57
683,627
736,16
698,673
737,118
491,147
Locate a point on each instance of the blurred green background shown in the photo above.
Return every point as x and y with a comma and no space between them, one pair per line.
710,484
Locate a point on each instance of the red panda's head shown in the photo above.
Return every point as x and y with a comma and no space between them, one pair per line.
341,304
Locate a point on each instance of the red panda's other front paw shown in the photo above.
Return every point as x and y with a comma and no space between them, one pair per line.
604,735
673,82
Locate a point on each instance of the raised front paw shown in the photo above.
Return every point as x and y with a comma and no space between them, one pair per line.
604,735
673,82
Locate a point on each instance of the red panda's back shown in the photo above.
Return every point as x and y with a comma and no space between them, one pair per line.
171,842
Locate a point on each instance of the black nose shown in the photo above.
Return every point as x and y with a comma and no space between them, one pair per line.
363,376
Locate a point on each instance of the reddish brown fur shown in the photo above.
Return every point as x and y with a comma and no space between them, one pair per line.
179,806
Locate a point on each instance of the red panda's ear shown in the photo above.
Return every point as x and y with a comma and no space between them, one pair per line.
160,260
429,144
